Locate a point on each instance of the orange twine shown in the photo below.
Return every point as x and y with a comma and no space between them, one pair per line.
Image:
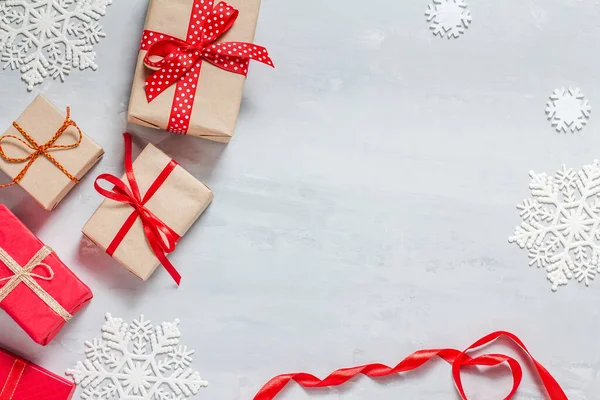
39,150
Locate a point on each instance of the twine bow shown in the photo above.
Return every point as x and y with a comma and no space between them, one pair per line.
161,238
40,149
27,276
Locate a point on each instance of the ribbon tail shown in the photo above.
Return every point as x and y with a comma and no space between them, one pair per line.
162,257
222,17
552,387
263,56
153,88
249,51
235,57
276,385
270,390
153,236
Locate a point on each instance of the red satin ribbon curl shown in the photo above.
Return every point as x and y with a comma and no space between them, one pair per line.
454,357
162,238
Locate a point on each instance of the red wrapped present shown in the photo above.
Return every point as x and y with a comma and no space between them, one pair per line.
21,380
36,289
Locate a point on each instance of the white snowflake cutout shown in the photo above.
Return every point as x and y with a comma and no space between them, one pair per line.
45,38
568,109
137,362
561,224
449,18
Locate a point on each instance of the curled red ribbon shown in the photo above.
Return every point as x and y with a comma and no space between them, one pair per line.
162,239
454,357
179,61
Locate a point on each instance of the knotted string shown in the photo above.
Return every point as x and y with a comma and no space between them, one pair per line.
40,150
27,276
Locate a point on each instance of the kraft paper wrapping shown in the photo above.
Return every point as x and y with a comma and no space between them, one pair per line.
219,93
44,181
178,203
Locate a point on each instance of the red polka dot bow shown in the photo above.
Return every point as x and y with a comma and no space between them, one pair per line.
176,60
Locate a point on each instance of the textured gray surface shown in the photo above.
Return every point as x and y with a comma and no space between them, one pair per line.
363,208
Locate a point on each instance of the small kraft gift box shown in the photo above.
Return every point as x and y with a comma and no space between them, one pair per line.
192,65
37,290
147,211
22,380
46,153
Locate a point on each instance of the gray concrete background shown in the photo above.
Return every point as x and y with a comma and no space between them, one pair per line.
362,211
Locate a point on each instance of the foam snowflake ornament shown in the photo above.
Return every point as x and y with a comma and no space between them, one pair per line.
568,109
46,38
137,361
448,18
561,224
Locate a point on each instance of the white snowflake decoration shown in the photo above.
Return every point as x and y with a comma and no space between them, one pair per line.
137,362
561,224
449,18
49,37
568,109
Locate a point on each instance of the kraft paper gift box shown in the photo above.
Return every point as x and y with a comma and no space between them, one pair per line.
49,294
22,380
178,203
44,180
215,105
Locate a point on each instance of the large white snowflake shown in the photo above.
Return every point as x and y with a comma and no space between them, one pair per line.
49,37
561,224
449,18
568,109
137,362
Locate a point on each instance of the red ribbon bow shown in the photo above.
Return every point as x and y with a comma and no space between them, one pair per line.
457,358
179,58
161,238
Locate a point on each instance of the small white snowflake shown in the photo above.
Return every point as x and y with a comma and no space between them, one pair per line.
568,109
449,18
137,362
49,37
561,224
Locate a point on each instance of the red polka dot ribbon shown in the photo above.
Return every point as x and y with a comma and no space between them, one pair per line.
178,61
458,359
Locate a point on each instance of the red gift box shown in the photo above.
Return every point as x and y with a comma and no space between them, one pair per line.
21,380
37,290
